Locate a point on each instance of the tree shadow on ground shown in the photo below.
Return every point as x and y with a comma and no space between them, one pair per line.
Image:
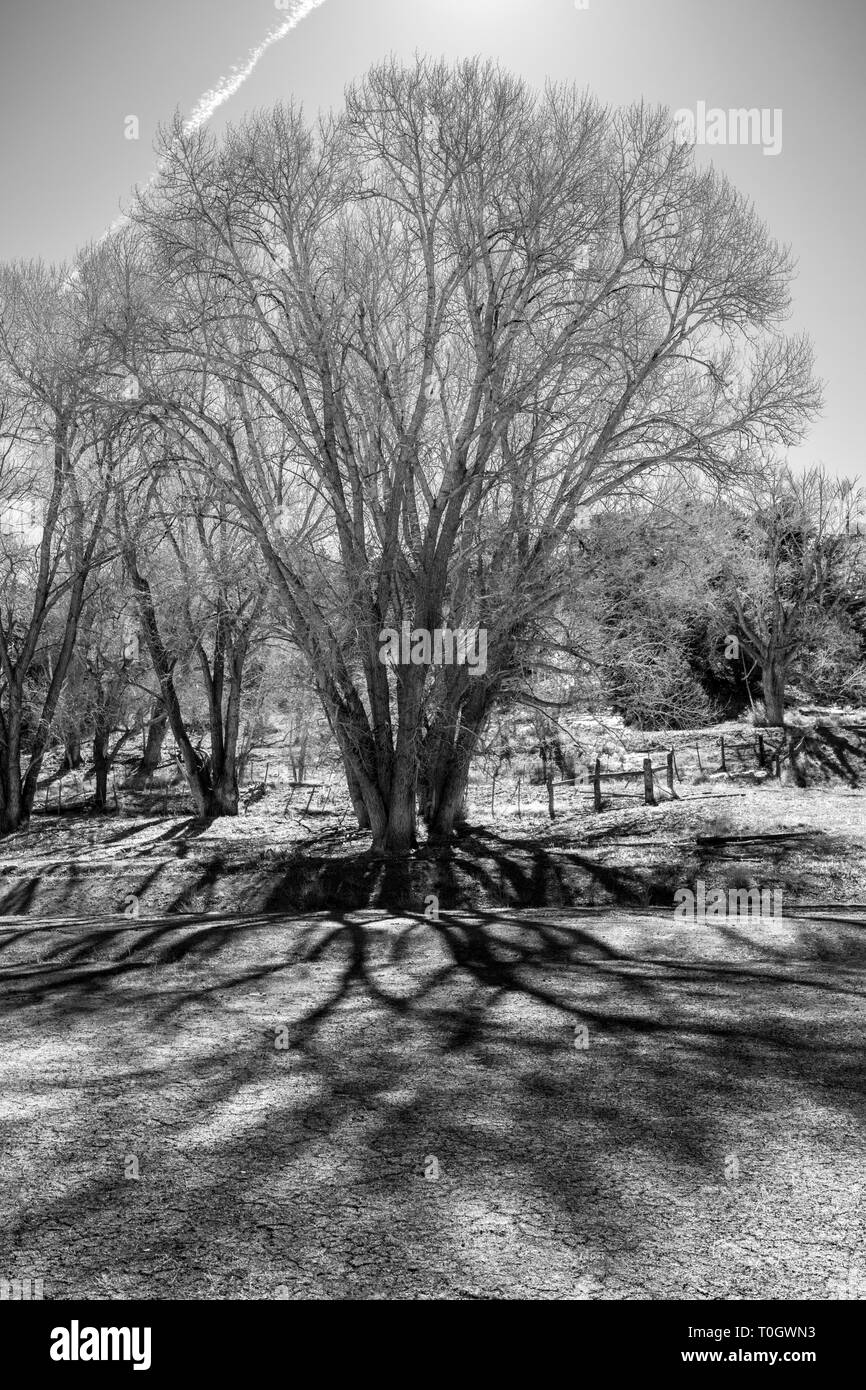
284,1086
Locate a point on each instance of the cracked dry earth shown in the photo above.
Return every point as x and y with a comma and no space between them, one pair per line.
537,1104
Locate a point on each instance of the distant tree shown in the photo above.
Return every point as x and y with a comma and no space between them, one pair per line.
200,598
56,457
651,581
794,573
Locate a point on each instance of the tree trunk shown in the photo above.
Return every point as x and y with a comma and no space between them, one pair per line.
12,818
400,831
197,779
362,815
100,768
11,810
225,773
197,772
450,814
445,807
150,758
773,686
399,835
225,794
72,752
448,752
360,766
19,793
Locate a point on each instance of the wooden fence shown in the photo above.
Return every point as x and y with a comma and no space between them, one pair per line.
768,756
332,797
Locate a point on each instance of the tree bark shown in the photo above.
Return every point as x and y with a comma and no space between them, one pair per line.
773,680
100,767
196,773
72,752
150,758
10,768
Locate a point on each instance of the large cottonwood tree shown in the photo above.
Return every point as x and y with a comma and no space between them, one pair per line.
415,339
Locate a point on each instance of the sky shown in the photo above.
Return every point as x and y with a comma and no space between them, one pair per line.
72,72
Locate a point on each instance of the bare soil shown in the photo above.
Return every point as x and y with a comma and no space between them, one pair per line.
282,1079
510,1104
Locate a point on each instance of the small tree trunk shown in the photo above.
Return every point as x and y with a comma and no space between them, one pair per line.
224,736
100,767
72,752
302,758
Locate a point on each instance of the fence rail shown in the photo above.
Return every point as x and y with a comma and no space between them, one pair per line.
768,756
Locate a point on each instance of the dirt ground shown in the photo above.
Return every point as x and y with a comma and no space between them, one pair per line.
810,843
803,832
515,1104
281,1079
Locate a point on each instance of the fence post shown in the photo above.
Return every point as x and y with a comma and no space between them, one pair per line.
648,793
698,751
518,795
596,785
551,809
722,746
760,750
671,773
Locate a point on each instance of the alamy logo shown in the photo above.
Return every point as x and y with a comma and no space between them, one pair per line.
76,1343
697,906
444,646
739,126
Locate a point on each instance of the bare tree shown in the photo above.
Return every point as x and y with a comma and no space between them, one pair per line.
792,569
57,463
200,597
417,340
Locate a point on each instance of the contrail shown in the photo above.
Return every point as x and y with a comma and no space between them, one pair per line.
228,85
297,10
